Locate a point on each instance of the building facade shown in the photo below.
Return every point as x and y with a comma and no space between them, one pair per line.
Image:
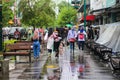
106,11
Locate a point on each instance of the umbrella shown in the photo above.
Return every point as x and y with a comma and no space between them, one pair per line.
69,25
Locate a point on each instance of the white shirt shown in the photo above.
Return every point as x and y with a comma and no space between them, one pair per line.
85,34
71,34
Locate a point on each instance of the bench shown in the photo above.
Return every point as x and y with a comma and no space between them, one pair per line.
17,50
23,42
104,52
100,50
115,60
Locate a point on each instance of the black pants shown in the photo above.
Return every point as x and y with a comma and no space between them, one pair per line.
56,48
81,44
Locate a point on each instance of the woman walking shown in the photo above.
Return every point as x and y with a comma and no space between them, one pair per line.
50,41
71,38
36,44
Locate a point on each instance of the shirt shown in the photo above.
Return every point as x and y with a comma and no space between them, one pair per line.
71,34
83,38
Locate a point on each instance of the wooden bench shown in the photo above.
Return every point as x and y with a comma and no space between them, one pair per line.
23,42
17,50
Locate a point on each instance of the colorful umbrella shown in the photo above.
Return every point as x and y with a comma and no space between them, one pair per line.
69,25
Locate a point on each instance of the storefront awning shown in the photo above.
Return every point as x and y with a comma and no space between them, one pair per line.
88,18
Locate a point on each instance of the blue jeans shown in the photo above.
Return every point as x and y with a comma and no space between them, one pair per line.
36,48
71,46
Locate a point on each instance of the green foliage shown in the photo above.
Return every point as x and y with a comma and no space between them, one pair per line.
7,13
12,41
63,4
38,14
9,41
67,14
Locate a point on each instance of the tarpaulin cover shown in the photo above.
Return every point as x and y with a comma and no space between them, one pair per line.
110,36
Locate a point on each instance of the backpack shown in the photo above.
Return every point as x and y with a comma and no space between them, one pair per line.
81,36
81,69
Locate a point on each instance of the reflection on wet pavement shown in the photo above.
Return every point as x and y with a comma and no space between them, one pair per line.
94,70
26,71
97,70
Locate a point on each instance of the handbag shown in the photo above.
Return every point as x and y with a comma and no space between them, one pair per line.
72,39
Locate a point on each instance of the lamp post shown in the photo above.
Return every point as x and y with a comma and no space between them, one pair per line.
85,14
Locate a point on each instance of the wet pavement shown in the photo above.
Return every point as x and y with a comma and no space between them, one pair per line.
26,71
94,69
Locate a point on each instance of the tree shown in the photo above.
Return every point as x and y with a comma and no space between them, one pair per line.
63,4
37,12
67,15
7,13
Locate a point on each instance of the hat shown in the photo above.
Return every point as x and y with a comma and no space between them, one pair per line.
55,31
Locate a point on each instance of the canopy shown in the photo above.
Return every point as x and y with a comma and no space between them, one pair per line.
88,18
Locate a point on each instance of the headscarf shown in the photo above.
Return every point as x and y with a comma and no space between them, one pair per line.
81,29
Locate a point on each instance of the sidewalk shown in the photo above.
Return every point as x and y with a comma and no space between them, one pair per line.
26,71
93,69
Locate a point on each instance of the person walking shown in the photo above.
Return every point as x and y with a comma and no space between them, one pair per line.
57,40
81,38
36,44
90,33
17,34
71,38
50,41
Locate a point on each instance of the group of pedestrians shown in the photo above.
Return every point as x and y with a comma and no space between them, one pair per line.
54,39
51,38
78,36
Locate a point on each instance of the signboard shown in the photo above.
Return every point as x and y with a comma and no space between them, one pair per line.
100,4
